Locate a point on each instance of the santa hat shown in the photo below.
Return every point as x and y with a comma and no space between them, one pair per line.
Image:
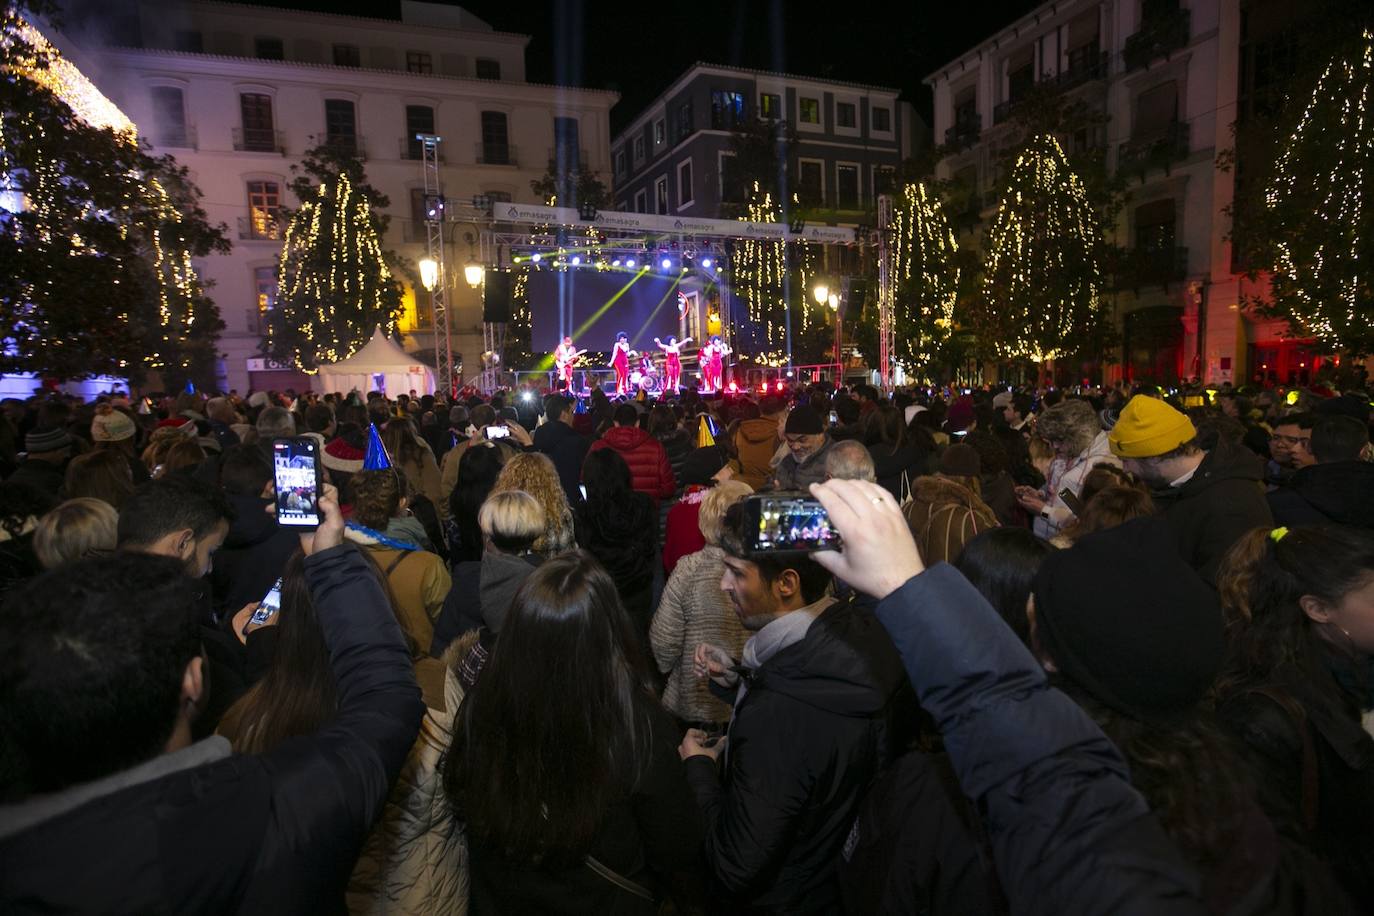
343,456
184,425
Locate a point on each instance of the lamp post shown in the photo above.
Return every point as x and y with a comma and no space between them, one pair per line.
834,303
473,272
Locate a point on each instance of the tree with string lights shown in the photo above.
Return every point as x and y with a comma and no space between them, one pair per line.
926,272
334,282
1317,223
96,236
1041,295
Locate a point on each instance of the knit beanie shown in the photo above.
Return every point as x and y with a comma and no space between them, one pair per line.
1127,620
1148,427
803,421
39,441
701,465
112,427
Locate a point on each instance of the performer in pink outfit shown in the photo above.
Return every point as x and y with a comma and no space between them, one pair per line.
673,369
564,355
620,362
712,360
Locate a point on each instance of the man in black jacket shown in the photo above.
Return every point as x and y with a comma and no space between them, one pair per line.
107,805
821,705
1209,498
557,439
1339,487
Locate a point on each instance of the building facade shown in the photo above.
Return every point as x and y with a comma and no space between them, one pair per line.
236,93
1172,77
676,157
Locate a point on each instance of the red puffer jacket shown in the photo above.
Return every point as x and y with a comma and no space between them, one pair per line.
650,471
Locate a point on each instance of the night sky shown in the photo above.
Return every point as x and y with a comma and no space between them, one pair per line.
637,49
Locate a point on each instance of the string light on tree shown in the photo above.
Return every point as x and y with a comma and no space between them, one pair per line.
1041,296
1318,207
926,274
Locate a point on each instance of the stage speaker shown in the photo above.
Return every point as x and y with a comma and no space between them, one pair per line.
496,297
858,297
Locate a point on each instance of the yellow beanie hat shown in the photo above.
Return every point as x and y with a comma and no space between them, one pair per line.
1149,427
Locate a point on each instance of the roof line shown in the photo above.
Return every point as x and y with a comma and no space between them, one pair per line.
401,73
354,16
1012,28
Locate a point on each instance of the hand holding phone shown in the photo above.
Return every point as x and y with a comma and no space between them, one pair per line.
265,613
298,481
496,432
788,523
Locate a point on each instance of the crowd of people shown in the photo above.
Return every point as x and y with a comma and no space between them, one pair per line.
1104,650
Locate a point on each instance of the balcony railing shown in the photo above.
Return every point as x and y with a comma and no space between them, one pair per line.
1152,266
1158,37
1155,150
348,144
410,148
183,137
259,140
496,154
577,156
963,134
262,227
1085,65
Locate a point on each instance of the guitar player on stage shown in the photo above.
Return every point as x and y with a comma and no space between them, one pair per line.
564,355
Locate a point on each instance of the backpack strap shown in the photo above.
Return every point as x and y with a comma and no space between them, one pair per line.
1310,776
603,870
396,562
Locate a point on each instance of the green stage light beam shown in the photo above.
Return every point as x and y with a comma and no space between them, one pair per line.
677,281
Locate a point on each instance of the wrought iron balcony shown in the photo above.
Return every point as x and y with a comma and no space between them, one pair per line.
496,154
349,144
262,226
1085,65
1158,37
183,137
1154,150
963,134
259,140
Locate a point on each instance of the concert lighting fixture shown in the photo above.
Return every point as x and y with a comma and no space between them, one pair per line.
630,262
576,260
706,263
666,263
535,257
616,262
688,262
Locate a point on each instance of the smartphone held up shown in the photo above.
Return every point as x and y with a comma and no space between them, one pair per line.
788,523
298,481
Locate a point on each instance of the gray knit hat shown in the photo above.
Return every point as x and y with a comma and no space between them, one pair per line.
47,440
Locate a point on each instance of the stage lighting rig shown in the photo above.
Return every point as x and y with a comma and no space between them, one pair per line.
588,212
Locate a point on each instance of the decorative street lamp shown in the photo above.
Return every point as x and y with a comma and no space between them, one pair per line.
822,293
474,272
429,273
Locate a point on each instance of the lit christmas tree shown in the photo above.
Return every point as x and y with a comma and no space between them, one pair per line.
926,274
1042,284
767,283
1318,211
334,285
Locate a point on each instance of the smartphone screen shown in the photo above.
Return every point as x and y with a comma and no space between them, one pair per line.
497,432
296,474
582,488
267,609
834,418
789,523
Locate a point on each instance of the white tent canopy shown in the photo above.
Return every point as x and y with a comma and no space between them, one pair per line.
380,365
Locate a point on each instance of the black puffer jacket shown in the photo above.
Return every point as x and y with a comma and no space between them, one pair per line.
1340,492
1212,511
818,721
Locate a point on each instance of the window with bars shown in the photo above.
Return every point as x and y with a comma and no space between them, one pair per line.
419,120
495,138
264,208
419,62
169,116
259,133
341,124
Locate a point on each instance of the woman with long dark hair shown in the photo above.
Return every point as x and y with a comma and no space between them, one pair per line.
563,765
1299,678
477,472
898,457
619,526
413,455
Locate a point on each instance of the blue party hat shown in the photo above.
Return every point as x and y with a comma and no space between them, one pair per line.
190,387
580,407
711,424
376,459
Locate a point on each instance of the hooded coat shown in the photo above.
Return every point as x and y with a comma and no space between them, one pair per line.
1341,492
1216,506
650,471
944,515
755,442
818,720
252,557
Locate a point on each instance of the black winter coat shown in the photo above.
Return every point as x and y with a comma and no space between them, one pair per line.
1212,511
1340,492
252,557
567,450
817,723
270,833
888,465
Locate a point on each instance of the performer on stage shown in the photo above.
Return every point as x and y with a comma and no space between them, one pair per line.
564,355
672,373
712,359
620,362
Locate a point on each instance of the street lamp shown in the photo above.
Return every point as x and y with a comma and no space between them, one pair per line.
834,303
474,272
822,293
429,273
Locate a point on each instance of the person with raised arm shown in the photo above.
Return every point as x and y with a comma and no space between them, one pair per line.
1069,833
673,369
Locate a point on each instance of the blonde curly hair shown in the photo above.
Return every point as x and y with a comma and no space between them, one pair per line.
535,474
